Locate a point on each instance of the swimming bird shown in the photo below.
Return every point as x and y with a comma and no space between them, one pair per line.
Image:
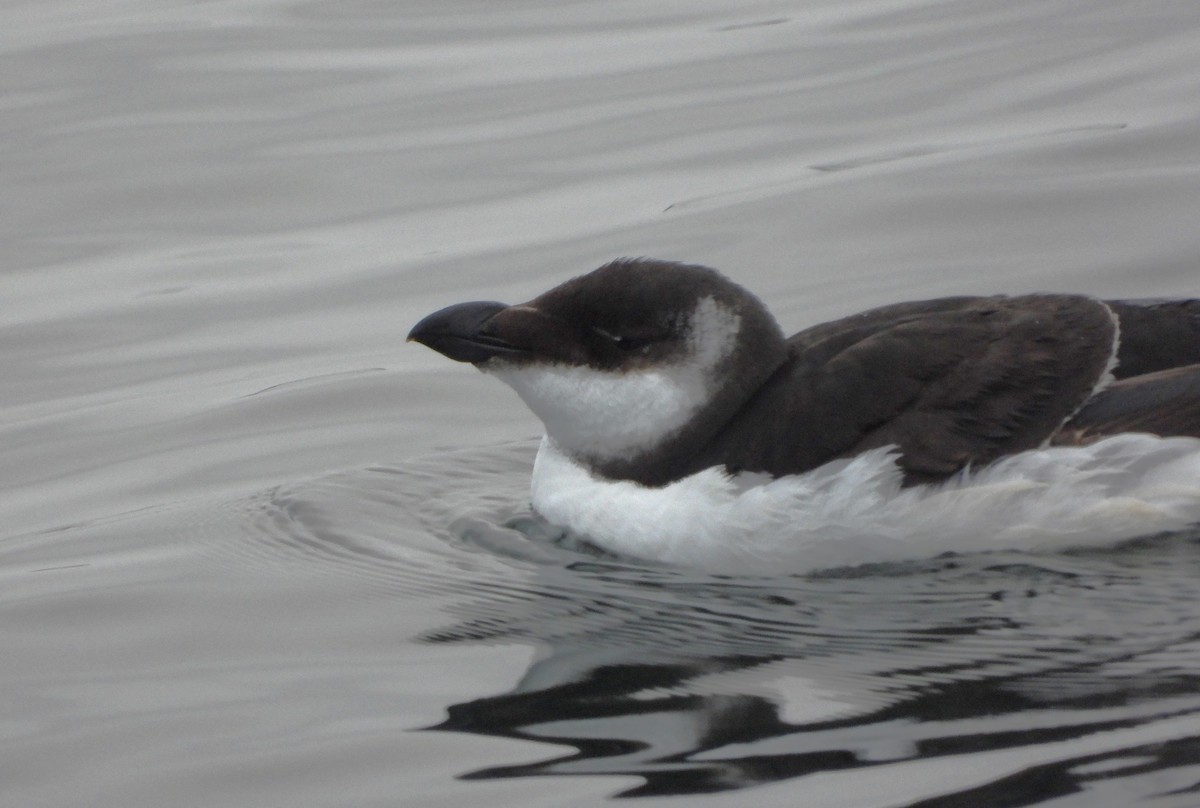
682,425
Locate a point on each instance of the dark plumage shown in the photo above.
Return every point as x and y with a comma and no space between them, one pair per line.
951,382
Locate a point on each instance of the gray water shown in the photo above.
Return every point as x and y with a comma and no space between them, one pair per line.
255,550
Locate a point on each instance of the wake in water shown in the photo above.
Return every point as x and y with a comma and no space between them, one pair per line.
856,511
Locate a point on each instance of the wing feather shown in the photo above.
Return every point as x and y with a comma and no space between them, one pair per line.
951,383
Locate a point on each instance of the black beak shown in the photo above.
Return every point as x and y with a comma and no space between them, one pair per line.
459,332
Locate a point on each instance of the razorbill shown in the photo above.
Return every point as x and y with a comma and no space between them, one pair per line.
682,425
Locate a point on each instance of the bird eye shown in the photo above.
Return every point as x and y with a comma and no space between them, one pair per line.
631,343
625,343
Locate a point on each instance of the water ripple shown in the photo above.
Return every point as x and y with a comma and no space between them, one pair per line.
1081,664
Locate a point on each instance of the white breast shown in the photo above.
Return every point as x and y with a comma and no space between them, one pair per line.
855,511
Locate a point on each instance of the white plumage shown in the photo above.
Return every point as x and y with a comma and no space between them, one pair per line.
855,511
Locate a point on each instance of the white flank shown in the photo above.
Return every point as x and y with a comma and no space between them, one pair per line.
602,415
855,511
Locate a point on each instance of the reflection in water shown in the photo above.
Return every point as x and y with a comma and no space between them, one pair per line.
1053,675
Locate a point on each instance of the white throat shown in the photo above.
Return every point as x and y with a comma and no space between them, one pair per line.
606,415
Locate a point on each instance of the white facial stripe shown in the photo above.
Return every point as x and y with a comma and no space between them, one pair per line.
611,414
713,331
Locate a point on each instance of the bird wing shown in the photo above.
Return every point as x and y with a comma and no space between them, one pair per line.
955,382
1157,335
1165,403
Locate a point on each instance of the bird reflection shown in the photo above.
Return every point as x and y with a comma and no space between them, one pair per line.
700,684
